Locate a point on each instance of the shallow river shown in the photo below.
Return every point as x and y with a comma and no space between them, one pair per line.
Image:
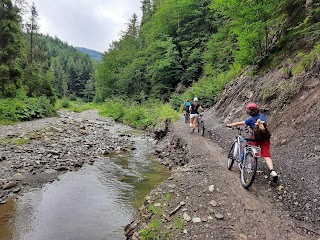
95,202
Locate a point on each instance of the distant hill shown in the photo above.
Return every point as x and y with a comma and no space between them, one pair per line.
92,53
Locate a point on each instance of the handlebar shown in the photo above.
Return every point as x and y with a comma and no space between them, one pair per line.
240,129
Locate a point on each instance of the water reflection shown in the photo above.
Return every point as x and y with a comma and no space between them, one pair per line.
7,212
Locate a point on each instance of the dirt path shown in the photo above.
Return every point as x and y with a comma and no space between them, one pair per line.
247,214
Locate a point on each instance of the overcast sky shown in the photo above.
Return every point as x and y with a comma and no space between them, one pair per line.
92,24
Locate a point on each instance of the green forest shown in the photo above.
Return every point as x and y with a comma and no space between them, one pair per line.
178,49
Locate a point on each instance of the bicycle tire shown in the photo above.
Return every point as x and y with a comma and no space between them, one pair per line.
231,158
248,169
202,129
186,118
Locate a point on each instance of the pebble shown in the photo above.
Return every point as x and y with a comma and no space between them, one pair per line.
196,220
211,188
213,203
186,217
218,216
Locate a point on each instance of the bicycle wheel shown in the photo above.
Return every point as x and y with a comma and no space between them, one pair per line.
248,170
231,157
202,129
186,117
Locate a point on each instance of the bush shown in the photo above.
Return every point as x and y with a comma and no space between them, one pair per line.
14,109
150,114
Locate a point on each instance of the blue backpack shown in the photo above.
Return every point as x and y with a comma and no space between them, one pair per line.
187,105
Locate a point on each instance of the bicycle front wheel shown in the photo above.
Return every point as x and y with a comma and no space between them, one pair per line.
249,169
231,157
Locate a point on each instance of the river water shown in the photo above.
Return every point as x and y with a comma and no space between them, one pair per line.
95,202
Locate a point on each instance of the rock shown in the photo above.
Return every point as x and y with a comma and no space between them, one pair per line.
186,217
50,171
9,185
243,237
218,216
78,164
3,201
196,220
157,205
18,177
16,190
62,168
213,203
211,188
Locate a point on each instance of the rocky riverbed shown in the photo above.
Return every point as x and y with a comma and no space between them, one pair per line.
38,151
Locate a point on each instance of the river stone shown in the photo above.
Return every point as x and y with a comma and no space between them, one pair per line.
9,185
213,203
211,188
218,216
18,177
50,171
186,217
196,220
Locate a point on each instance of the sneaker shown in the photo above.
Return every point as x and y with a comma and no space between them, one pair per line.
273,176
192,130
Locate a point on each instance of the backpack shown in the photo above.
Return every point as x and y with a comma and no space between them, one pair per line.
187,105
260,131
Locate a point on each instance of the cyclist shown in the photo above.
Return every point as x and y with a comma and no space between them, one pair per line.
194,114
253,110
186,106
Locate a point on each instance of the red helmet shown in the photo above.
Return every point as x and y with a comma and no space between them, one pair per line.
251,106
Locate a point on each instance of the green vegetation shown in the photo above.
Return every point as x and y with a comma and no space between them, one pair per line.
150,114
305,61
22,109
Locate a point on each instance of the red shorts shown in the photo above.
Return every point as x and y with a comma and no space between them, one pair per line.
265,147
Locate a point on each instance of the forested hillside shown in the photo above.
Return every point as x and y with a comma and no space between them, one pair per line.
202,44
36,66
95,55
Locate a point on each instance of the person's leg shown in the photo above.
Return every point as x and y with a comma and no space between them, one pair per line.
191,121
269,162
265,153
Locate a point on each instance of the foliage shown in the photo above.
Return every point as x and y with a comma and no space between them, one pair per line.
25,109
305,61
150,114
208,89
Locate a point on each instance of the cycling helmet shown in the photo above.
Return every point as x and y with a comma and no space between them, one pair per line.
195,99
251,106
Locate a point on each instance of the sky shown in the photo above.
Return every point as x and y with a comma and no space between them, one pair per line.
92,24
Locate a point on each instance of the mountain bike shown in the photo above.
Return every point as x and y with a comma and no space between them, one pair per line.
186,117
200,124
245,155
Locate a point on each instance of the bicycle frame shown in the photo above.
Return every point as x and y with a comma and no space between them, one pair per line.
246,157
240,139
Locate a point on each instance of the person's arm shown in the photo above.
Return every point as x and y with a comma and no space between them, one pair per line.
201,108
236,124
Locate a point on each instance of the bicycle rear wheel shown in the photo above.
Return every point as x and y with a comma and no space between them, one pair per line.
186,117
231,157
202,128
249,169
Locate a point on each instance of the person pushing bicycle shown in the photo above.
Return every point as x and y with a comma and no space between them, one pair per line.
194,114
253,110
186,106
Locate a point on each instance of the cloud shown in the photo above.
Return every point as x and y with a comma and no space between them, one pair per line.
92,24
